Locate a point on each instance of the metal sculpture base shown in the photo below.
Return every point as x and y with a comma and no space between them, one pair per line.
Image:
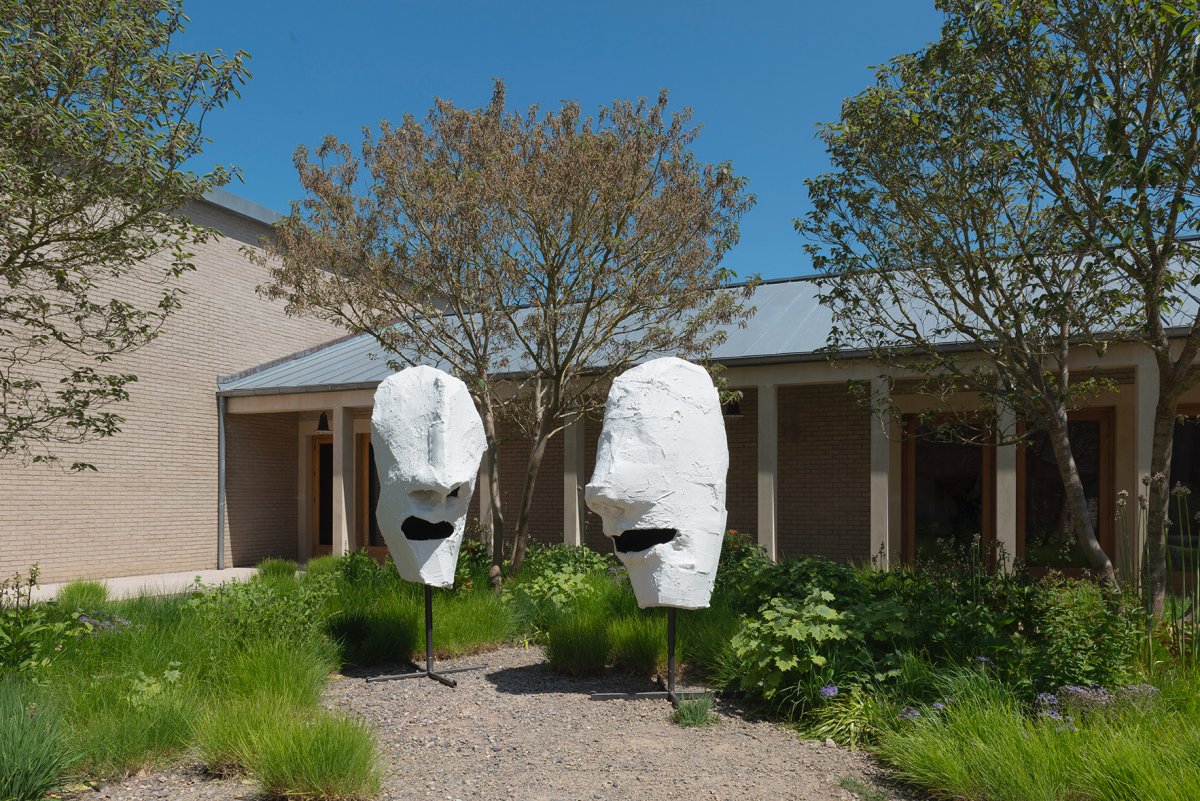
668,690
428,672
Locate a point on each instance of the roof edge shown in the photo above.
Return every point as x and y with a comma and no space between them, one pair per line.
241,206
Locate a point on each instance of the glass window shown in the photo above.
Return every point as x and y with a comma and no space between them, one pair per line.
1185,469
373,536
948,493
325,493
1049,540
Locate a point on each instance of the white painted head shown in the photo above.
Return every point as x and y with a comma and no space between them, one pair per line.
428,441
659,482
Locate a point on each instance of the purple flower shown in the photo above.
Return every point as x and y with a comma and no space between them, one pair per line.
937,707
908,713
983,660
1047,700
829,691
1053,714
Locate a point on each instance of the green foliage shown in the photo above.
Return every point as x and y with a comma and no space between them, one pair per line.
544,560
322,757
272,569
695,712
786,650
1080,634
322,565
387,629
468,622
29,638
82,596
34,754
542,598
244,613
100,109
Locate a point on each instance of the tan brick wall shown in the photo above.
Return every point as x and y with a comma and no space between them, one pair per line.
546,514
824,473
261,460
152,505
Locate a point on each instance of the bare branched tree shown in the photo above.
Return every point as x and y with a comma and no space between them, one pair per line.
535,255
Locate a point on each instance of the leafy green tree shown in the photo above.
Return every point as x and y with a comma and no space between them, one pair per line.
932,231
535,254
1097,102
1105,98
99,116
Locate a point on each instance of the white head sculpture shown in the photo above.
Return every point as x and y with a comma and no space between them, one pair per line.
659,482
428,441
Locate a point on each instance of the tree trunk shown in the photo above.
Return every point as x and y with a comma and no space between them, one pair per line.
1158,496
1076,499
496,573
536,453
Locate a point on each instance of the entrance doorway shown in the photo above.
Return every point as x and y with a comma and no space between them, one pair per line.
321,492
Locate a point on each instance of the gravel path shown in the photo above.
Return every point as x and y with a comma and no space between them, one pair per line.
517,730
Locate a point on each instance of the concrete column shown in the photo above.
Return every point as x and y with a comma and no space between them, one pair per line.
343,480
768,465
1006,488
881,462
573,481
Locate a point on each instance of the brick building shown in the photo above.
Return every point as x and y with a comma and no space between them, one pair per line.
811,470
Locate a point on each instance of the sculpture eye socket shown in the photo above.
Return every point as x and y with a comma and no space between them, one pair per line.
641,539
454,492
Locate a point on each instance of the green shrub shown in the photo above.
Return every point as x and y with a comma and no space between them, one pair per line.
322,757
323,566
33,750
254,611
272,569
29,638
639,643
82,596
543,598
542,560
782,657
1079,635
695,713
578,645
359,568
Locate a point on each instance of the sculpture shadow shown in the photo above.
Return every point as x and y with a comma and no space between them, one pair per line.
541,679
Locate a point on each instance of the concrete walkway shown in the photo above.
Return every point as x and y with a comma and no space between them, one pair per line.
156,583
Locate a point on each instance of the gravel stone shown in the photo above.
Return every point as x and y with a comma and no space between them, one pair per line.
517,730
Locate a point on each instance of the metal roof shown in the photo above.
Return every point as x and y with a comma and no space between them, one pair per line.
789,325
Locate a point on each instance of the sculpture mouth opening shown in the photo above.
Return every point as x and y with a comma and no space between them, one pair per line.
639,539
416,528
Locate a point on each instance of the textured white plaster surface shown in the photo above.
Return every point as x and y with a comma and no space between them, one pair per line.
661,464
428,441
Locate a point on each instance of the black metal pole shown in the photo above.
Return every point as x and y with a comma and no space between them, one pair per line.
671,653
428,629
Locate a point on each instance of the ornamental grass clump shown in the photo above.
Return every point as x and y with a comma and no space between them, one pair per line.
34,751
639,643
322,756
82,596
695,712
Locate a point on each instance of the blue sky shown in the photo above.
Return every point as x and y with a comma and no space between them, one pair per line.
760,77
